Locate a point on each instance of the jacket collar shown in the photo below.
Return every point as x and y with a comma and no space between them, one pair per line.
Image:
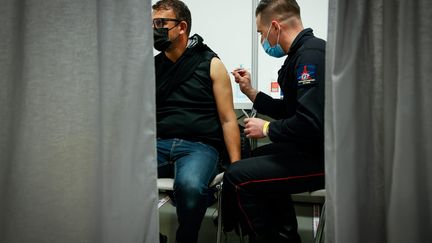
303,36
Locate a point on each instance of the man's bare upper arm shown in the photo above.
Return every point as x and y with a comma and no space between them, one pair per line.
222,90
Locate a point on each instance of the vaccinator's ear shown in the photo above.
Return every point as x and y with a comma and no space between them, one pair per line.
275,25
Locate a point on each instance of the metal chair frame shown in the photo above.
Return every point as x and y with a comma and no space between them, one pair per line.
167,184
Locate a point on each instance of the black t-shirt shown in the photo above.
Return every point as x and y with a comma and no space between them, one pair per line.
189,112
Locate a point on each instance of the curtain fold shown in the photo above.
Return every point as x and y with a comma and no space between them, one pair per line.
77,124
379,121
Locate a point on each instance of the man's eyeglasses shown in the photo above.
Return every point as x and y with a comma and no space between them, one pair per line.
160,22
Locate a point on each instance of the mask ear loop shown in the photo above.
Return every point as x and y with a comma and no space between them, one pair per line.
175,25
178,34
268,32
278,35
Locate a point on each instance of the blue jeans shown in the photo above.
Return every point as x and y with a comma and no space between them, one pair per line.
193,165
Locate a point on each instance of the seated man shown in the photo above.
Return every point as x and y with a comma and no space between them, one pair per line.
257,190
194,113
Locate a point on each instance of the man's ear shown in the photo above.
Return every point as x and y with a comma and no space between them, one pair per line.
275,25
183,27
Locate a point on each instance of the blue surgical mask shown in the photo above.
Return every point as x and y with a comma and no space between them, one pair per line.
274,51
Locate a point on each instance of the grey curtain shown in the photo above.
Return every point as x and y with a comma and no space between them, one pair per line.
77,124
379,121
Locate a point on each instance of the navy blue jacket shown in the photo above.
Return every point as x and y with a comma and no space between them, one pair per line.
299,116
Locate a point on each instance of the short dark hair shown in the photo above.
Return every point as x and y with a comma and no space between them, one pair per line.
180,10
280,8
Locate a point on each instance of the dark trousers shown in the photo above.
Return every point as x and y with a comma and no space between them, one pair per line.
257,190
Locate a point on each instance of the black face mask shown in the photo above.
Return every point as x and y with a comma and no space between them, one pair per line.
160,38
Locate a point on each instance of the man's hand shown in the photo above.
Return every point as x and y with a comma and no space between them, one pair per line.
242,77
254,127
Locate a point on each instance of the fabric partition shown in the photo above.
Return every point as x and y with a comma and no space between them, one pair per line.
77,122
379,121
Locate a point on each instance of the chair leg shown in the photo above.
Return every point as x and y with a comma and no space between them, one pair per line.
219,227
241,234
319,238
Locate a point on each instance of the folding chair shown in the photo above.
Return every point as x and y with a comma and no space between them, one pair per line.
167,184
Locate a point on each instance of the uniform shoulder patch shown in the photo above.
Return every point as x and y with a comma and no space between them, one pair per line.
306,74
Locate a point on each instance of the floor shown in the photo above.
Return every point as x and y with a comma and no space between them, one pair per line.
168,224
